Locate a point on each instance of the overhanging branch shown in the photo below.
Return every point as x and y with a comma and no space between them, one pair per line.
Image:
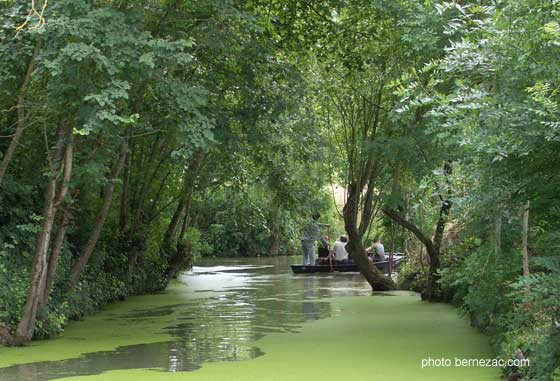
399,219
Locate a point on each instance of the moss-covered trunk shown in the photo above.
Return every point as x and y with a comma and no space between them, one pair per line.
375,278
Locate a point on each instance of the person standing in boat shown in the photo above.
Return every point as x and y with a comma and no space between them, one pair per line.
311,233
339,249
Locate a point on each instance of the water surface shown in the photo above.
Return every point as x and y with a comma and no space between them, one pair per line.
225,311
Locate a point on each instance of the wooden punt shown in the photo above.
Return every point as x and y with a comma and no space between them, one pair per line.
383,266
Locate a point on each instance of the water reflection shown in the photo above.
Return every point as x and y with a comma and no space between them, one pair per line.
226,309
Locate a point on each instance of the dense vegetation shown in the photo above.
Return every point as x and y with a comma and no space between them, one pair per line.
139,134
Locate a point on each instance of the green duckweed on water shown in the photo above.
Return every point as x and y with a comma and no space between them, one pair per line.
258,324
376,338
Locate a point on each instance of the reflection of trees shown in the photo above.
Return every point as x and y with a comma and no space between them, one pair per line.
216,328
271,301
308,304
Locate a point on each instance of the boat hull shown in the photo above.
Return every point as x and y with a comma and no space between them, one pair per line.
382,266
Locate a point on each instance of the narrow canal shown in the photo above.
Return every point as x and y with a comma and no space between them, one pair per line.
253,320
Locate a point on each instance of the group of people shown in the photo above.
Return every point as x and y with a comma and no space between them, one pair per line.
337,252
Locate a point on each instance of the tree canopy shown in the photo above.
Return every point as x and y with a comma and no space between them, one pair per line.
137,136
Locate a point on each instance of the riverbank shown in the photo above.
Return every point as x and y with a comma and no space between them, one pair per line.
258,321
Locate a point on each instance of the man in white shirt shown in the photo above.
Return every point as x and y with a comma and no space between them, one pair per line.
379,251
339,249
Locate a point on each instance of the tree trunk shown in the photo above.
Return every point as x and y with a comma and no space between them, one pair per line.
433,247
421,259
429,292
182,253
184,226
175,253
276,232
179,254
171,231
20,126
59,238
123,215
432,291
432,288
180,257
26,326
106,201
525,238
498,234
375,278
526,272
55,254
187,213
180,260
189,181
149,174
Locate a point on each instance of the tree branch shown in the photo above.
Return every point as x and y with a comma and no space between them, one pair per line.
395,216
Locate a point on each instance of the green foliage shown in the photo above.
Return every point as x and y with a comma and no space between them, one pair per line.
237,116
239,224
411,278
519,312
206,84
487,101
532,325
194,240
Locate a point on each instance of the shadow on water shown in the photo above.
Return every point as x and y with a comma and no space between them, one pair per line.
171,356
226,309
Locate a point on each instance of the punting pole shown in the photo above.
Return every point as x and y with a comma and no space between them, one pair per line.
330,249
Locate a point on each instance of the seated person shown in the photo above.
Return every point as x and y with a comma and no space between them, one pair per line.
324,247
378,250
339,249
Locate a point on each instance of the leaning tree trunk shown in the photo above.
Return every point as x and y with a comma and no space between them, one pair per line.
375,278
433,247
106,201
180,254
20,125
432,290
26,325
171,230
55,254
63,223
